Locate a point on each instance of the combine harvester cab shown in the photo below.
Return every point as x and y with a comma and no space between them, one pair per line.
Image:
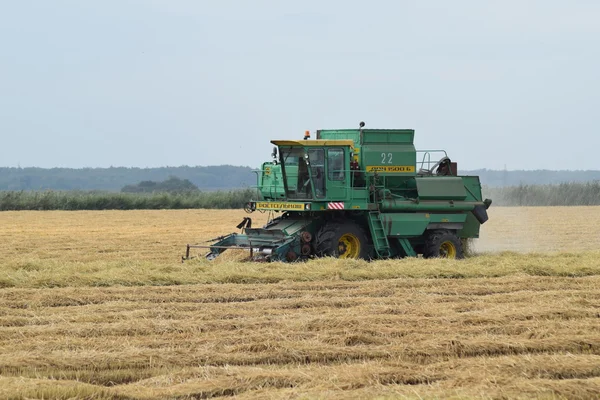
359,193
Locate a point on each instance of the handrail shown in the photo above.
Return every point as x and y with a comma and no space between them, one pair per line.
426,159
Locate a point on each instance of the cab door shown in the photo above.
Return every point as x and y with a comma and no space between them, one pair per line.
338,173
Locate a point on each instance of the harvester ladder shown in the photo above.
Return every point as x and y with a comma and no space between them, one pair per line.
380,240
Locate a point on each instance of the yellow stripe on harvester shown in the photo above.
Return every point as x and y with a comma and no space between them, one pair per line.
400,169
279,206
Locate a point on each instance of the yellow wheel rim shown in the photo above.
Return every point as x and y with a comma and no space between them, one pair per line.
448,250
348,246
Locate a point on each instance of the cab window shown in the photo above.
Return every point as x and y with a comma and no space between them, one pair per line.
317,168
335,162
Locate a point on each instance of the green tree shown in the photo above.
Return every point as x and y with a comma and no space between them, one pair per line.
171,185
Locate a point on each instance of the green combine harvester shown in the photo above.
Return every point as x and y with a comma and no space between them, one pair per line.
359,193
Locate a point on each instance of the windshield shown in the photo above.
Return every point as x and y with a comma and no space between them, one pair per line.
303,171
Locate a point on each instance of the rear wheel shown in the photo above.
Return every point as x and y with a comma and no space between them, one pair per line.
342,240
443,244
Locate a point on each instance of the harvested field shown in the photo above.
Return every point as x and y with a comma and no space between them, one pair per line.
541,229
98,305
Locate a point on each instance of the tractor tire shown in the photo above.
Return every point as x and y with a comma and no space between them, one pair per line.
443,244
342,240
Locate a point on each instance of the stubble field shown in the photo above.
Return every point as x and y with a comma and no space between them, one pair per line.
98,305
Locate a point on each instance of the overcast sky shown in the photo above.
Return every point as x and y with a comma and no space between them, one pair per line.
148,83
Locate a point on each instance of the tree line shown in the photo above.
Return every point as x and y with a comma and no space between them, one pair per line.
81,200
226,177
564,194
171,185
500,178
221,177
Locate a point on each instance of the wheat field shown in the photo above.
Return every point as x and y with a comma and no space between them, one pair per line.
98,305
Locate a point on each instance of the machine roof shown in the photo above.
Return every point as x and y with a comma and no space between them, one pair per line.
313,142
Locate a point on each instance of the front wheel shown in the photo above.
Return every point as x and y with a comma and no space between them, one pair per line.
443,244
342,240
